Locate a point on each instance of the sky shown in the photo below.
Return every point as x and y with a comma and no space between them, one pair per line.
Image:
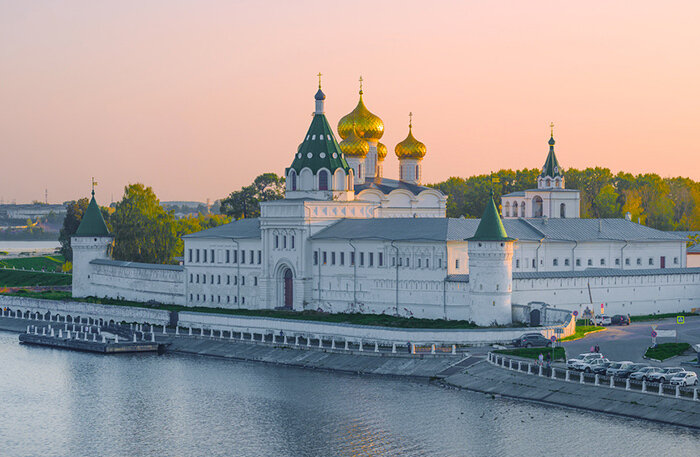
197,98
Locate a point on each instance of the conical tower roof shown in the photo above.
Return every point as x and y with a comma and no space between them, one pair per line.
551,165
319,148
92,223
490,227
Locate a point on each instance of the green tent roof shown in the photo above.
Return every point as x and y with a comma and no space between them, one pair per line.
551,165
319,149
92,224
490,227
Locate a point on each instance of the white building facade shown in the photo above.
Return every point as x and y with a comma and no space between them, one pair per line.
346,239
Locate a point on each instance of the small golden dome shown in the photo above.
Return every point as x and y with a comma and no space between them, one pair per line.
367,125
354,146
381,151
410,148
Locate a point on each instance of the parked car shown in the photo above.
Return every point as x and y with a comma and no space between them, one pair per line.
582,357
665,374
644,373
602,319
630,369
618,367
529,340
587,364
601,368
685,378
620,319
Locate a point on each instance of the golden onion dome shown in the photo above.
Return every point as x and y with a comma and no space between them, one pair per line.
410,148
354,146
367,125
381,151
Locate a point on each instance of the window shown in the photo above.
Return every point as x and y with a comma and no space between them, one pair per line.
427,263
380,259
277,241
517,263
204,298
191,278
627,261
534,263
555,262
204,279
292,241
590,262
439,263
255,280
639,261
284,242
325,257
197,252
371,259
566,262
342,258
352,258
242,280
393,261
417,173
235,256
315,257
242,300
190,297
408,263
259,257
197,278
457,263
228,279
562,209
675,260
242,256
333,258
218,279
362,259
617,261
211,260
252,257
197,297
212,281
190,256
651,261
204,254
228,256
293,180
323,180
235,280
602,261
419,263
578,262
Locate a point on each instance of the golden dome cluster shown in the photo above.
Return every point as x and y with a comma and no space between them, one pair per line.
367,125
410,148
354,146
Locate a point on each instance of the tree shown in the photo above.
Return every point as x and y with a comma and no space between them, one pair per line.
74,214
143,231
245,203
605,204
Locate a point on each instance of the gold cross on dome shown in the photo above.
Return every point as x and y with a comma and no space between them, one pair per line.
319,79
551,126
361,83
410,119
94,183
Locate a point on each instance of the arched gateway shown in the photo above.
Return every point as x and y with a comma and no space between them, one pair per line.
288,289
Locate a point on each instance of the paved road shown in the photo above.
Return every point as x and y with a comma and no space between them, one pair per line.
630,342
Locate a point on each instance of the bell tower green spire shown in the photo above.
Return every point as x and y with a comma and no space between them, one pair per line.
551,166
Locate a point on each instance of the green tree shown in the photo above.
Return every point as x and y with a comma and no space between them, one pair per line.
143,231
74,214
245,203
605,204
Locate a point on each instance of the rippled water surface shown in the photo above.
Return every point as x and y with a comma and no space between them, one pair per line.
60,403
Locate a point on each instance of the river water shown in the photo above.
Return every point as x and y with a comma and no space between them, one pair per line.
62,403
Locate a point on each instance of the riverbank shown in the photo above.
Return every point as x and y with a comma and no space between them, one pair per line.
486,378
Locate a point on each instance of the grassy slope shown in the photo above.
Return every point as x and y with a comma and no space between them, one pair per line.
666,350
48,263
9,278
583,330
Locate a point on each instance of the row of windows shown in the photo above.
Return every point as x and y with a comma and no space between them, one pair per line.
197,279
203,298
367,259
589,262
228,256
283,245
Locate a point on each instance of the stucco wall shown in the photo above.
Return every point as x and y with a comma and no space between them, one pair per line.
138,284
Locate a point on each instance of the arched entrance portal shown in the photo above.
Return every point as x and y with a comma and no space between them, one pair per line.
288,288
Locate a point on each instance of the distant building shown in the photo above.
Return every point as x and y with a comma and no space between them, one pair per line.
347,239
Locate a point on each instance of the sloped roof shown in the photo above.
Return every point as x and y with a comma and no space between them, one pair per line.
551,165
143,266
319,148
595,229
386,185
92,223
242,228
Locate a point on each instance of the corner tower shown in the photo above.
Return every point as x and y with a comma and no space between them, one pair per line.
491,270
319,169
91,241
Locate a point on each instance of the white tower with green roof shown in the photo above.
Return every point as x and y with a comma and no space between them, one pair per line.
90,242
319,170
491,270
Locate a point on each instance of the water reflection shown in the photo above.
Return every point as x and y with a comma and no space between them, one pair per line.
67,403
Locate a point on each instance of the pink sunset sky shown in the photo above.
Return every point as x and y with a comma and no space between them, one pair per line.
196,98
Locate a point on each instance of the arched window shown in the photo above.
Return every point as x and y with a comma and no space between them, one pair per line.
400,172
549,182
522,209
515,209
562,210
537,206
293,180
417,173
323,180
359,171
506,209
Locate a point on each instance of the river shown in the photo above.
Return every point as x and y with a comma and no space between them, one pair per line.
62,403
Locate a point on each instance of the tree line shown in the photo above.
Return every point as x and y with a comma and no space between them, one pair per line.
661,203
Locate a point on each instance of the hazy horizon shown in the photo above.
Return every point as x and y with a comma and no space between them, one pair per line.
197,98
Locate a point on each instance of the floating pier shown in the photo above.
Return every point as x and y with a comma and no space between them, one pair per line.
89,339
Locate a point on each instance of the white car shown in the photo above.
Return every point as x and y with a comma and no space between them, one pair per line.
602,320
588,364
585,357
685,378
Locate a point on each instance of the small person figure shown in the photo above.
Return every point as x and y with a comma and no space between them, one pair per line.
597,349
540,360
